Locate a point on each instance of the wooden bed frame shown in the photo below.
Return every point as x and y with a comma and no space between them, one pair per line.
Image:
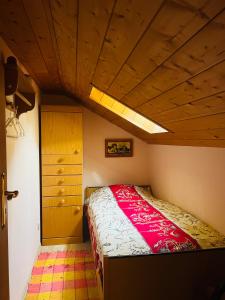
192,275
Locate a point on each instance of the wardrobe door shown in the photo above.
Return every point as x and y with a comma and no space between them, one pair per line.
61,133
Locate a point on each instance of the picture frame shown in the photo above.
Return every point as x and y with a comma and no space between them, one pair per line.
118,147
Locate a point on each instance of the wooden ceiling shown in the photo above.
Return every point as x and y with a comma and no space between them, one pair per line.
164,59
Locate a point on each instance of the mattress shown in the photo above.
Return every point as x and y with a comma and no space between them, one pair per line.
113,233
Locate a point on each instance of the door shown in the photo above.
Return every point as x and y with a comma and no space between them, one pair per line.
4,278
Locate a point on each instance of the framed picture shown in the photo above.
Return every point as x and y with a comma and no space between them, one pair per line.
118,147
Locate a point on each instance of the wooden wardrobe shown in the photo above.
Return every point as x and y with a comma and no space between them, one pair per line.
61,167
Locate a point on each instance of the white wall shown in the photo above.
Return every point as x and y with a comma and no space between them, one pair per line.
99,170
24,211
191,177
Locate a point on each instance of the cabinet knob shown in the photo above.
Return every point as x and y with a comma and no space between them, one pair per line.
62,201
77,209
76,151
60,160
60,171
61,191
61,181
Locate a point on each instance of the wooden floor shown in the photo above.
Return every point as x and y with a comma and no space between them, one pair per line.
64,272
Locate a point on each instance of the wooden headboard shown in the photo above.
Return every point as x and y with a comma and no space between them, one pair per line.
92,189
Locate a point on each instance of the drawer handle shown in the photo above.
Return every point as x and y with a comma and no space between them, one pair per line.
60,160
77,209
61,191
60,171
61,181
62,201
76,151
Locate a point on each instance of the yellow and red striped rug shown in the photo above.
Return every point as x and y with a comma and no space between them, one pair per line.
63,275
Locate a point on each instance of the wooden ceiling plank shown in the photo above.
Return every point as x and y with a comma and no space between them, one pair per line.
165,35
16,31
203,107
217,133
196,143
201,123
191,135
64,14
47,8
128,23
39,23
92,25
205,49
203,85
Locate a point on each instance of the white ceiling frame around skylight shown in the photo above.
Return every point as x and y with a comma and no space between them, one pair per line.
125,112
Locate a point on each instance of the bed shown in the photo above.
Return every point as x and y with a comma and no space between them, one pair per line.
146,248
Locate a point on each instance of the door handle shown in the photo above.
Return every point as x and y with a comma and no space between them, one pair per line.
10,195
3,201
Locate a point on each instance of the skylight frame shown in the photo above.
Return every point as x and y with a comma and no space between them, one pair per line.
125,112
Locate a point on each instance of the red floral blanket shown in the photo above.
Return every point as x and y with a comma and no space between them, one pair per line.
161,234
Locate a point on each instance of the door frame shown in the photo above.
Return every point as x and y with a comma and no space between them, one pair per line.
4,265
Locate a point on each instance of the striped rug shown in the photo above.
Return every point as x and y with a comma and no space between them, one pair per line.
63,275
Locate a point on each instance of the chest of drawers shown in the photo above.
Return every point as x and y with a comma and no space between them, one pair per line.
62,168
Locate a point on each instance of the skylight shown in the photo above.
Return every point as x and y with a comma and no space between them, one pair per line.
125,112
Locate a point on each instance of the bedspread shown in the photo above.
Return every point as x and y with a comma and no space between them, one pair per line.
115,235
159,232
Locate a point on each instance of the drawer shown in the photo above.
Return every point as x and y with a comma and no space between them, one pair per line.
61,190
53,159
62,170
61,180
61,201
62,241
62,221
